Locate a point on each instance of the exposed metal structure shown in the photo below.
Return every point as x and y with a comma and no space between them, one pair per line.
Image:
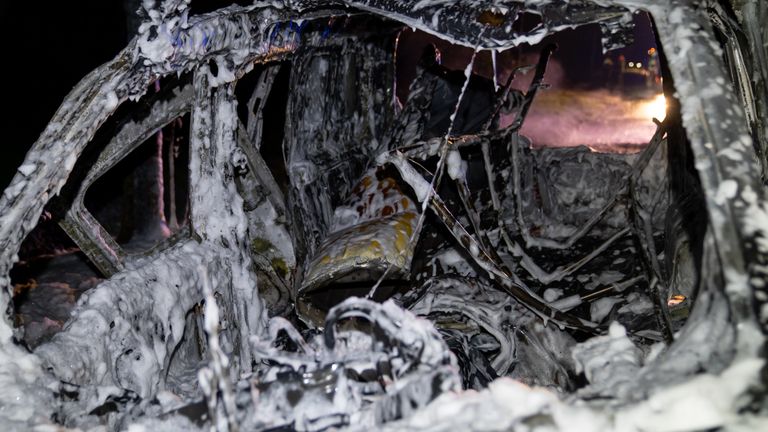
242,321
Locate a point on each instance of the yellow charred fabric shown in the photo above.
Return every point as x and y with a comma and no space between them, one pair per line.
376,243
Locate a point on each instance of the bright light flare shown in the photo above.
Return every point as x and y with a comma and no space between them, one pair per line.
654,108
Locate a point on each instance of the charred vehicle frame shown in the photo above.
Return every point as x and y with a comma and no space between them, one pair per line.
318,289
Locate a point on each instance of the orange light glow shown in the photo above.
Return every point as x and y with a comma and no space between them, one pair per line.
675,300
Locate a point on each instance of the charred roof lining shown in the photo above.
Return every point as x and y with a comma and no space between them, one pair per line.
494,24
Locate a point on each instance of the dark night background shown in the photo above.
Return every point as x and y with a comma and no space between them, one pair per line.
48,48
